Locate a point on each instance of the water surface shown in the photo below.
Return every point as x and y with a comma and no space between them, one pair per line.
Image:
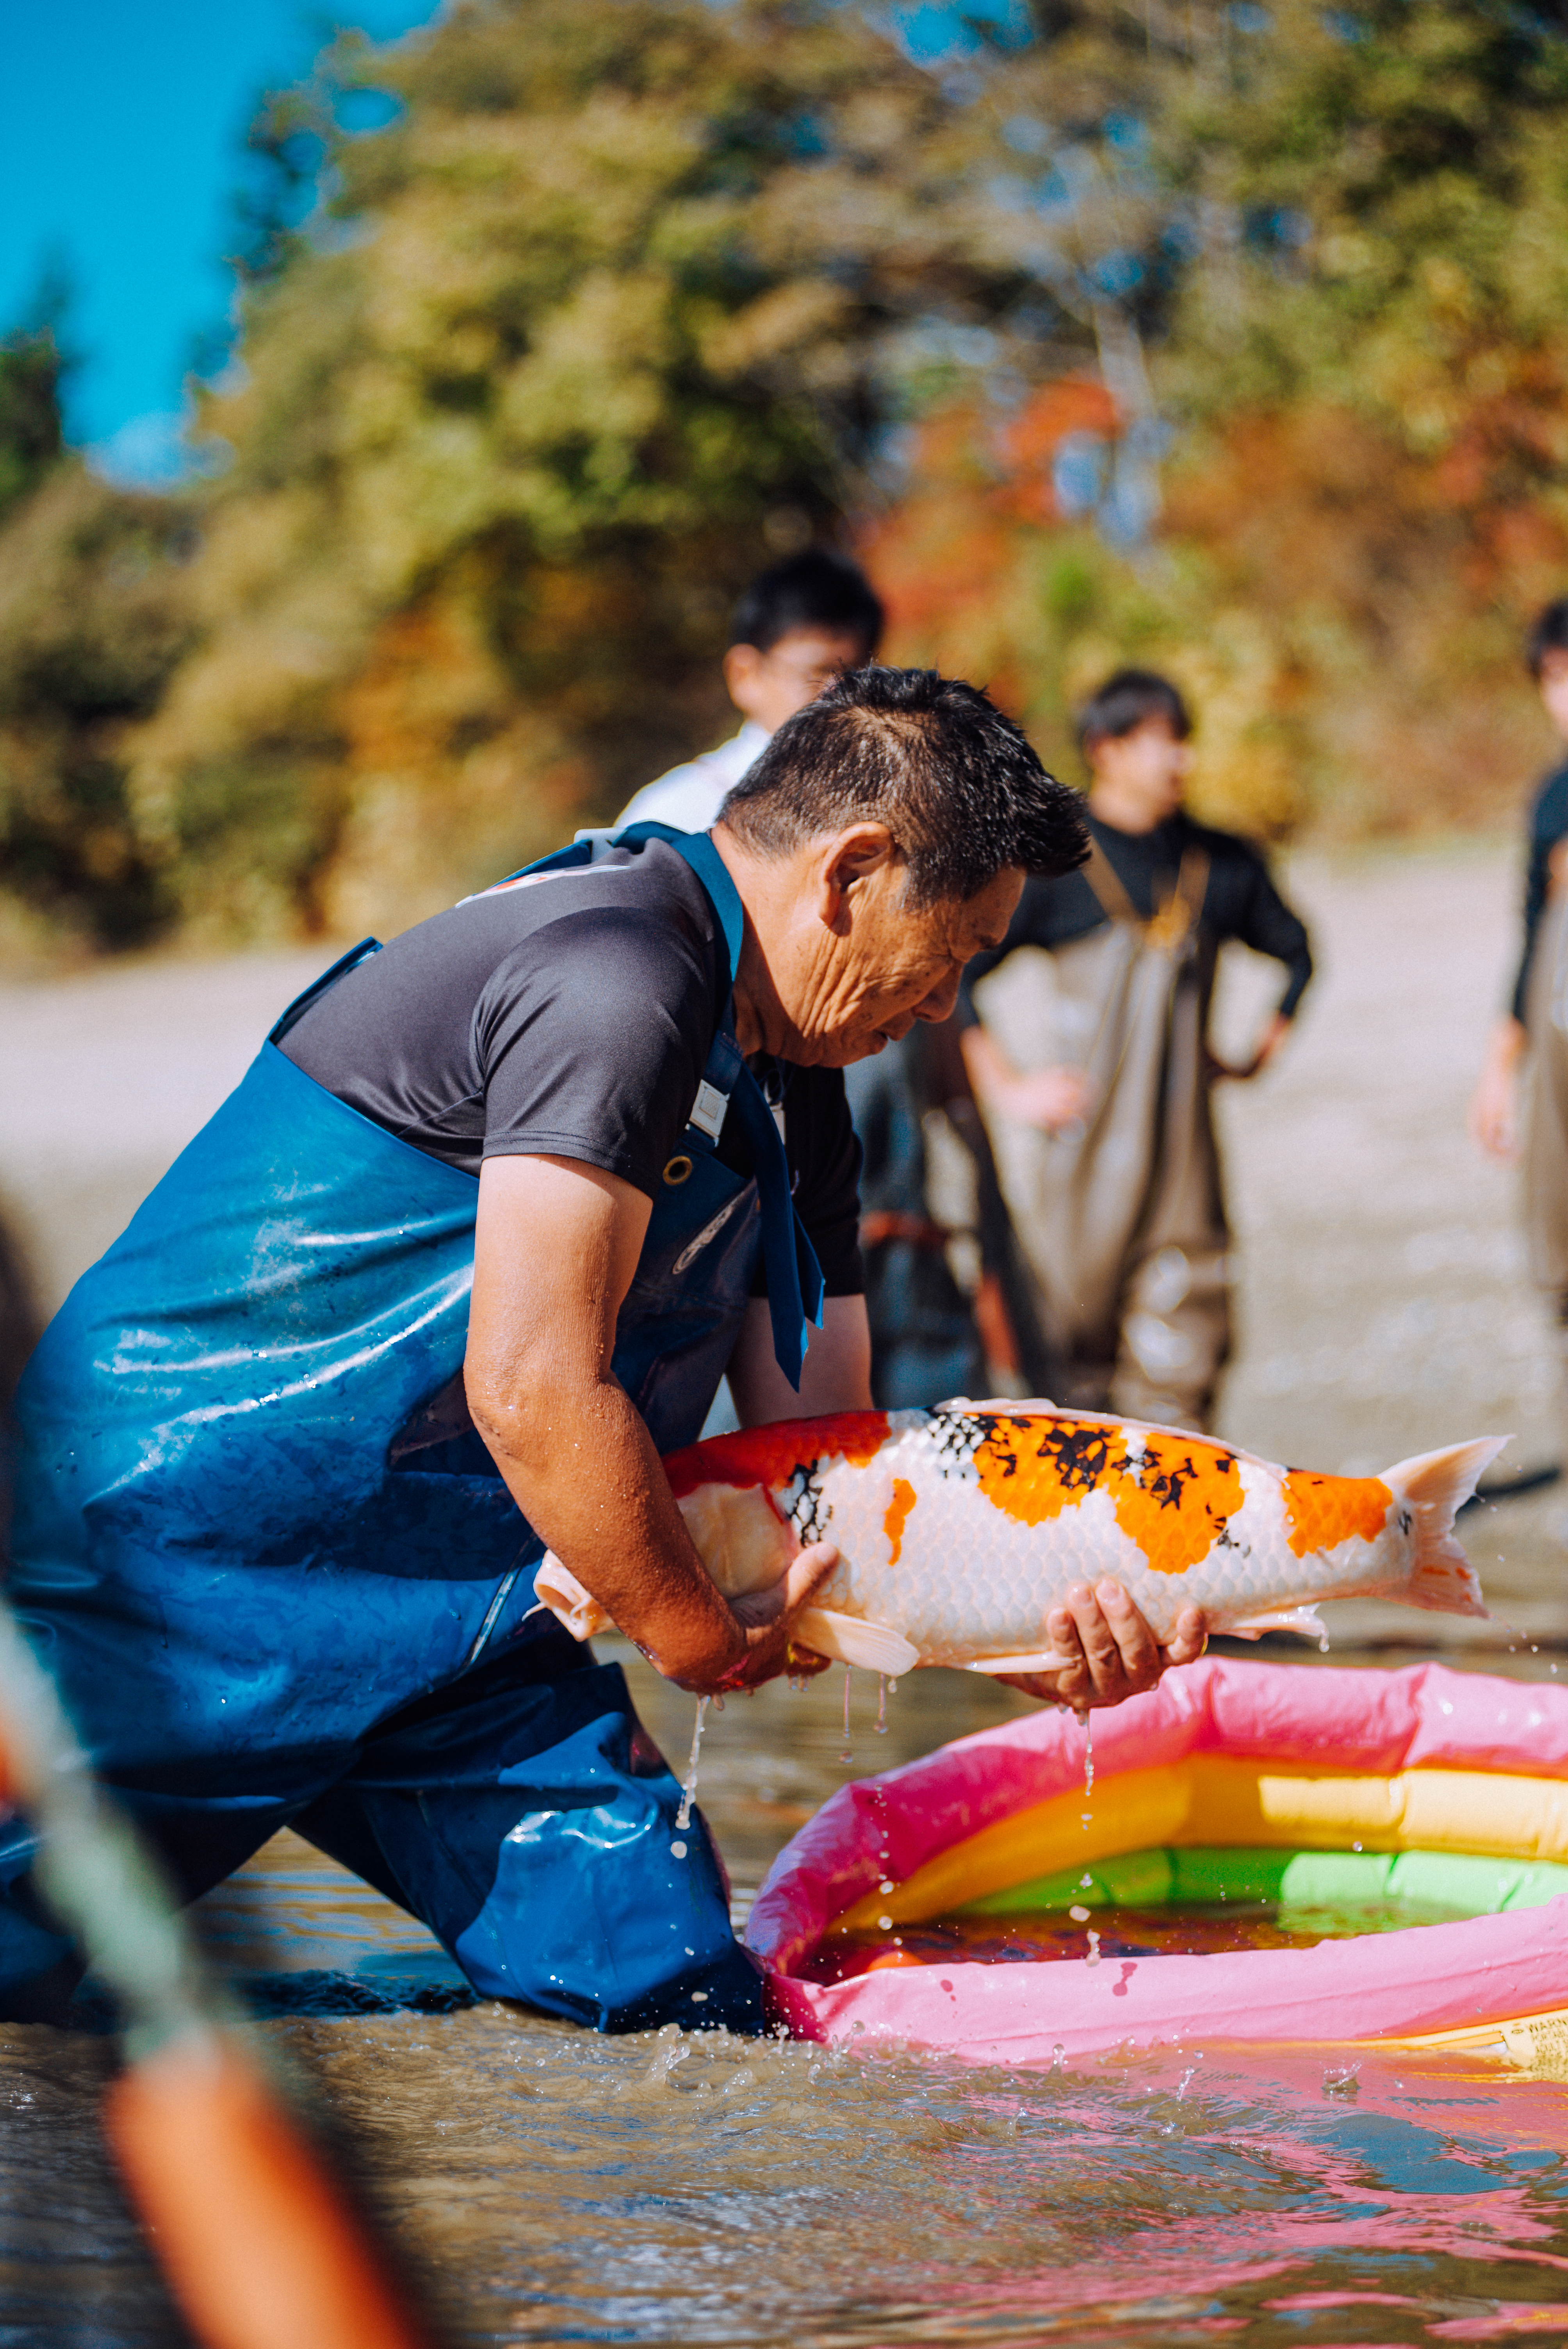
559,2187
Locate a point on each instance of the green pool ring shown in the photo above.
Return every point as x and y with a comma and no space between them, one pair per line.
1462,1883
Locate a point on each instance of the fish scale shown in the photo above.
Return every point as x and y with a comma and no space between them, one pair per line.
960,1528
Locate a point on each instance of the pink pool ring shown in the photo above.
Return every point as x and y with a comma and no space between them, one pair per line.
1450,1770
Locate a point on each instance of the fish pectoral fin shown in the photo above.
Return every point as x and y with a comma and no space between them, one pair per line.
1045,1660
555,1587
845,1639
1305,1619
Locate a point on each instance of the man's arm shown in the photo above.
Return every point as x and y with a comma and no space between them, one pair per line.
555,1248
838,1372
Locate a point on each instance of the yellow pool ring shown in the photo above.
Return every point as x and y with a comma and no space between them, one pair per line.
1223,1799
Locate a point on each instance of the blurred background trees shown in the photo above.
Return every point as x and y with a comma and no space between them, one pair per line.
1232,338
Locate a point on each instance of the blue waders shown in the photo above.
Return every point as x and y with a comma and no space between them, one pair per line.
279,1580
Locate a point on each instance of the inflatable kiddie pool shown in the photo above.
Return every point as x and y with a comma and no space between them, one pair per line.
1442,1788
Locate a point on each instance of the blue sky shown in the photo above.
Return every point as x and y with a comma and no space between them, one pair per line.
121,122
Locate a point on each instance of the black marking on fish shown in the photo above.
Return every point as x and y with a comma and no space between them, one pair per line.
805,1504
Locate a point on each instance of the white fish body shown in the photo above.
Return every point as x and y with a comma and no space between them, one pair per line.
960,1527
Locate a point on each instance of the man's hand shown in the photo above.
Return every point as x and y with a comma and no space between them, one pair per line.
763,1618
1494,1105
1048,1098
1239,1072
1115,1654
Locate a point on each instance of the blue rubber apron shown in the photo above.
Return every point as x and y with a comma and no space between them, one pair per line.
279,1580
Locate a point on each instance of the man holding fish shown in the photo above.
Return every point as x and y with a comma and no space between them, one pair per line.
467,1251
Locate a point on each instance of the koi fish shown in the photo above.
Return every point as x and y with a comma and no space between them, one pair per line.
959,1529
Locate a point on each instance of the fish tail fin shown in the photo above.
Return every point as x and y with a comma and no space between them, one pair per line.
1434,1486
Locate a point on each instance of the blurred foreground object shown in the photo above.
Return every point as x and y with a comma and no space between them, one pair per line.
259,2244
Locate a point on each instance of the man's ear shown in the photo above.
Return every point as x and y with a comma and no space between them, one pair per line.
851,856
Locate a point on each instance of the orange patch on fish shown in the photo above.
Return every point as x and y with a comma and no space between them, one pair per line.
898,1510
770,1455
1323,1511
1173,1501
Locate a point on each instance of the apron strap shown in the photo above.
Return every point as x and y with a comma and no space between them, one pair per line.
794,1276
709,867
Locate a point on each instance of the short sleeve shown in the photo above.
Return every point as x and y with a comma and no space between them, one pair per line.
591,1040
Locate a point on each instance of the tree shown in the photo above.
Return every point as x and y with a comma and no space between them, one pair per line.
628,297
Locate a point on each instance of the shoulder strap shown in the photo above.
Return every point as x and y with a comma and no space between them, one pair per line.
709,867
1102,878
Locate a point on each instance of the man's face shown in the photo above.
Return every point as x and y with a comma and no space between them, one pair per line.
768,688
1144,770
1554,689
859,981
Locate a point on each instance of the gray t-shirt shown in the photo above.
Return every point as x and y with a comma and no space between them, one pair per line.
571,1014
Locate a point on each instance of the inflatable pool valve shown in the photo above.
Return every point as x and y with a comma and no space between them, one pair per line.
1293,1785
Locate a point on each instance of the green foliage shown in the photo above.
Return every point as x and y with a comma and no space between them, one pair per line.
631,294
611,311
91,628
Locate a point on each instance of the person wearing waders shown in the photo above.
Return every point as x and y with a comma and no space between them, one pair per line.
1094,1063
467,1251
1520,1107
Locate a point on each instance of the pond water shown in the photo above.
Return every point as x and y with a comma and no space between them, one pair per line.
554,2187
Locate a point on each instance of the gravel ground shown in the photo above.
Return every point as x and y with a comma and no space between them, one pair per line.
1384,1303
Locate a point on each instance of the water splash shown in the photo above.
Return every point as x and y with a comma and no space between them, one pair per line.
1093,1957
689,1783
881,1704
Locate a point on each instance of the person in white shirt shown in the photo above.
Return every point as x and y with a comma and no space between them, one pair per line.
799,626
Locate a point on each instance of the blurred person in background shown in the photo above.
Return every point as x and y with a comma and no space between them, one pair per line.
1521,1104
801,624
948,1292
1097,1067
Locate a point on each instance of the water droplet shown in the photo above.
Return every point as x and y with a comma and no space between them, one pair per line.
677,1850
699,1998
886,1884
1093,1957
1079,1916
885,1924
1084,1882
688,1785
881,1704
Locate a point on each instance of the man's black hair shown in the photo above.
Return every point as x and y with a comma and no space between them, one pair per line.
1548,633
1127,700
817,589
955,782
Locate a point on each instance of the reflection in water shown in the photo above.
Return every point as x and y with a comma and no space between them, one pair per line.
562,2187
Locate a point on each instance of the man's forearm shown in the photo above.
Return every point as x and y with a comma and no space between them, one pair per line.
579,1461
